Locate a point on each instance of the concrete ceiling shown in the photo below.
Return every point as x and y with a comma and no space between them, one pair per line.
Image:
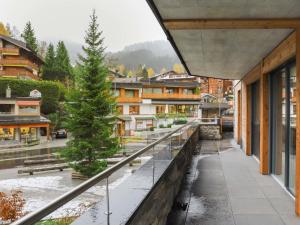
225,53
214,9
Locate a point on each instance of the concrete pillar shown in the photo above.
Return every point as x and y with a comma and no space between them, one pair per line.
38,133
17,134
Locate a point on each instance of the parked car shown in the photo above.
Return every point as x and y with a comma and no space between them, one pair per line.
61,133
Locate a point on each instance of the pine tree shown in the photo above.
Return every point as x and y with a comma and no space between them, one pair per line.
29,37
90,106
62,63
48,69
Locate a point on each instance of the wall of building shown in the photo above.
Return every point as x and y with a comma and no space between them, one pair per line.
283,53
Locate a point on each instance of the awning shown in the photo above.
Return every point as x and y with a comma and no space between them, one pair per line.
145,118
225,39
125,118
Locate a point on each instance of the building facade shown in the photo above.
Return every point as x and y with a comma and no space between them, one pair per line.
21,120
17,60
162,99
143,104
265,114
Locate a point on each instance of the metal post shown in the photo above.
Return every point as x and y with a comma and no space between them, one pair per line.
171,147
108,212
153,165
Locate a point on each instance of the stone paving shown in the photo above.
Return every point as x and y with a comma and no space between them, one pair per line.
224,187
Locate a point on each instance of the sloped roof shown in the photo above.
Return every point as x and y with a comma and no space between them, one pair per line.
20,44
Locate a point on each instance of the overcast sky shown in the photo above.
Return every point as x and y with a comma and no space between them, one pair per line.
123,22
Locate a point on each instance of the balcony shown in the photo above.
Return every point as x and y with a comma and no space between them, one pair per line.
16,74
129,100
9,51
168,96
19,63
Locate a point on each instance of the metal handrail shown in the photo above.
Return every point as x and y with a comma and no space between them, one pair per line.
36,216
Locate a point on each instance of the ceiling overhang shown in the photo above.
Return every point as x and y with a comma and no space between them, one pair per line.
225,39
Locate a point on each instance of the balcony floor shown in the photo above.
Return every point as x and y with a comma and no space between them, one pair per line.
226,189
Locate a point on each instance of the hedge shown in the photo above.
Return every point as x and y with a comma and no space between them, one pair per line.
52,92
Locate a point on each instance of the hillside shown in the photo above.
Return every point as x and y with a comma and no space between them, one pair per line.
156,54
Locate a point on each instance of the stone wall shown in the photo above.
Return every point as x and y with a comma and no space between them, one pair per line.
210,132
155,208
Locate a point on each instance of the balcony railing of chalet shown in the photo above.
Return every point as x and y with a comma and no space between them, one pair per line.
9,51
18,62
129,99
18,74
171,141
171,96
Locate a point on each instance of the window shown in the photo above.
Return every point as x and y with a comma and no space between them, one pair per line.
152,91
160,109
188,91
134,109
129,93
157,91
6,109
171,90
117,92
28,110
147,90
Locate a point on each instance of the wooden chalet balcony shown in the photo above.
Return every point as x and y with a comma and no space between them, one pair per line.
171,96
4,73
9,51
129,100
18,63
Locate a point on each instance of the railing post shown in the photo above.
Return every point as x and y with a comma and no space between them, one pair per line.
153,165
108,212
171,147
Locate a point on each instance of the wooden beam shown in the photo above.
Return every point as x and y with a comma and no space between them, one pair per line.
264,123
195,24
297,202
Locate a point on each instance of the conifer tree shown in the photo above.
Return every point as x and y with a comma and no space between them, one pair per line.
90,106
48,69
62,63
29,37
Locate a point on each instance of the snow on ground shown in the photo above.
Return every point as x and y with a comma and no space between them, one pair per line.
41,189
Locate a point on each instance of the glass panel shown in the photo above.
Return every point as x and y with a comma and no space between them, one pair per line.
147,90
129,93
28,110
292,131
117,93
278,124
255,144
157,91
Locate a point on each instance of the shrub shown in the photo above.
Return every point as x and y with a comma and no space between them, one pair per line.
11,206
169,125
151,128
180,121
52,92
161,126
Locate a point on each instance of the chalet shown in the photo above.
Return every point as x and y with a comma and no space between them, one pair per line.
21,120
17,60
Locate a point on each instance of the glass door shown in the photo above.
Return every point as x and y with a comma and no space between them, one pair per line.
282,125
255,119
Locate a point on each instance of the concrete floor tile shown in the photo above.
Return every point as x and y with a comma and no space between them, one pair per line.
246,219
290,219
241,191
208,206
251,206
274,191
195,219
283,206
